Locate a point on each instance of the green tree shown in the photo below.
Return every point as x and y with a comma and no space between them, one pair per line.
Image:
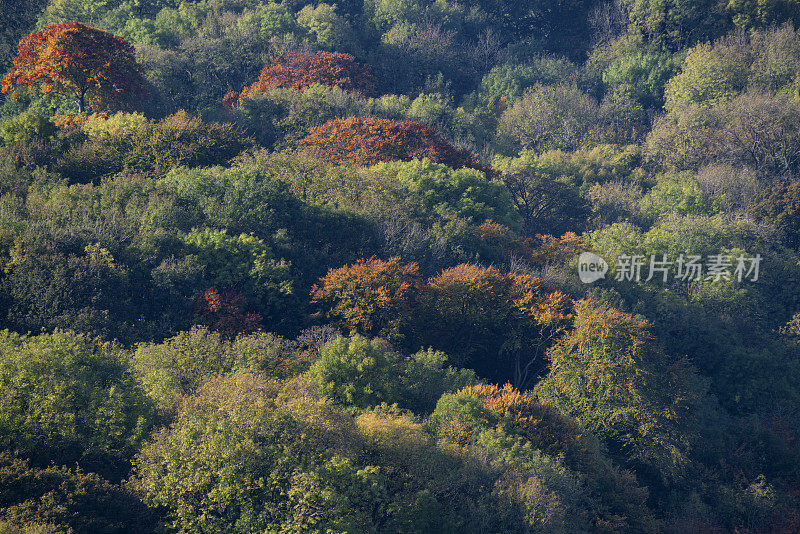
710,74
433,193
329,29
678,23
227,461
780,205
60,499
547,204
26,127
178,366
642,75
68,397
549,117
610,375
356,372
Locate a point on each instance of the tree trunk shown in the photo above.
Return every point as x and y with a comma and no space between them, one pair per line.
81,101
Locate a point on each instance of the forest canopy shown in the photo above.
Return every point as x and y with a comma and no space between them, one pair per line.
400,266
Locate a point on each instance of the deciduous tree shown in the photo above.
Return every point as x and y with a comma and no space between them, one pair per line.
94,67
225,313
373,296
370,140
299,71
496,323
611,375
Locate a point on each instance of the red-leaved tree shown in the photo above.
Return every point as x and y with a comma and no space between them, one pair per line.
371,140
223,312
299,71
94,67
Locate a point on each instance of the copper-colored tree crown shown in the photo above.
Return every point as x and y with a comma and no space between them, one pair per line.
299,71
371,140
92,66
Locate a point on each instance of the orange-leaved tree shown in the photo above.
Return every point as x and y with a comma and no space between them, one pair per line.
223,312
371,140
535,251
497,323
94,67
301,70
539,422
373,296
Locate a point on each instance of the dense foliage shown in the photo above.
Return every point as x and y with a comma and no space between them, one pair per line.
299,71
79,61
313,267
366,141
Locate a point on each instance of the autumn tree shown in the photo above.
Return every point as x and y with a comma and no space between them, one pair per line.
94,67
224,312
496,323
299,71
371,140
373,296
508,422
503,243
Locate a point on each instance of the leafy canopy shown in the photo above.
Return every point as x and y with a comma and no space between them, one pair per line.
79,62
371,140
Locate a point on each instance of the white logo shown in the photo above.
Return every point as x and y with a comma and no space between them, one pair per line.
591,267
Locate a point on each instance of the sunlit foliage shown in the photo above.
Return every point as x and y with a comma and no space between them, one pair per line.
94,67
368,140
300,71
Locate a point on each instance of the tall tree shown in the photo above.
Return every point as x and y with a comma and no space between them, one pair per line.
94,67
